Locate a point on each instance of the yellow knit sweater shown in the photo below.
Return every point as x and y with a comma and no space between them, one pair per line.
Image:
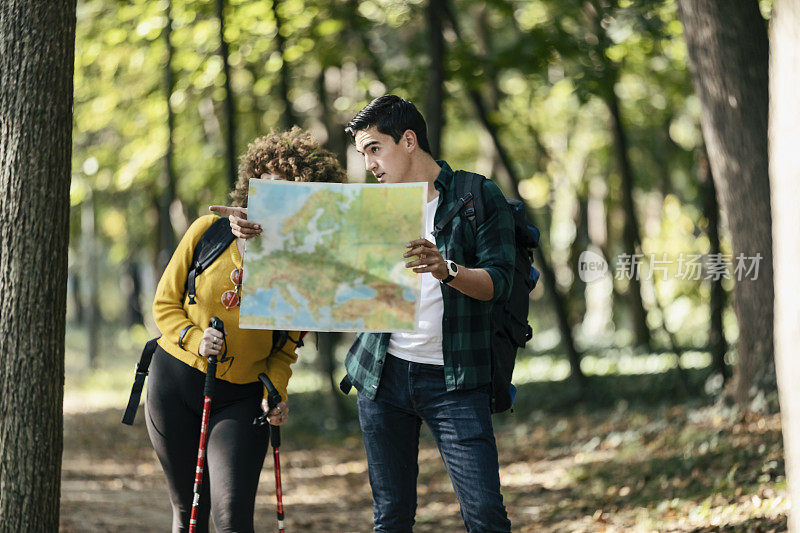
250,348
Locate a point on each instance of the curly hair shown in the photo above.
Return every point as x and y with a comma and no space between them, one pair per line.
294,155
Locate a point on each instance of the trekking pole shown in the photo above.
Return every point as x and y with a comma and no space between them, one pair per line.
208,393
273,399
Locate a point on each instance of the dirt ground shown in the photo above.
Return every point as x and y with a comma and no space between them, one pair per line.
664,469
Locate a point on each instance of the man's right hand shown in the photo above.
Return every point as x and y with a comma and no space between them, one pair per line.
240,226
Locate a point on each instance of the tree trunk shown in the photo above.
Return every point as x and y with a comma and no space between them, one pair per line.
230,108
631,237
289,118
607,76
132,285
577,289
337,138
37,46
548,276
327,342
256,109
728,52
359,27
89,247
784,138
167,193
77,300
716,334
488,162
326,351
434,112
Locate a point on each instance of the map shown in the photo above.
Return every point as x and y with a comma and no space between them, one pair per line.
330,256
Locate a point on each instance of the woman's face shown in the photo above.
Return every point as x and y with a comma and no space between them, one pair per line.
272,177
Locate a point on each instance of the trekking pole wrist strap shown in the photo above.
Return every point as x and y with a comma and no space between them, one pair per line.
182,334
142,369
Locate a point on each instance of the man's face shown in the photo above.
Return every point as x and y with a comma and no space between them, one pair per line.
388,161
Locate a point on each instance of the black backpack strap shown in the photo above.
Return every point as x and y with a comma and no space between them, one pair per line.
472,183
279,338
142,369
210,246
346,384
462,201
469,191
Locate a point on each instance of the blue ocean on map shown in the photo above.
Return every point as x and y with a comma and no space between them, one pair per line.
289,317
267,299
359,292
284,197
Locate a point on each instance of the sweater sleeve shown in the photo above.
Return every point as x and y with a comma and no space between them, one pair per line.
495,241
279,364
168,311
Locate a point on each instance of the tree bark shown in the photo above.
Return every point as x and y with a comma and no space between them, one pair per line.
784,138
167,192
434,105
37,46
230,108
728,52
716,334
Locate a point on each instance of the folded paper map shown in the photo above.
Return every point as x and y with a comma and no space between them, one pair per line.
330,257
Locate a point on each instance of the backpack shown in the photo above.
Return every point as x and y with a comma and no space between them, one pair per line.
509,320
214,241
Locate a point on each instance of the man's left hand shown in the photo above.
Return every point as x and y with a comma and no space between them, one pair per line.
430,259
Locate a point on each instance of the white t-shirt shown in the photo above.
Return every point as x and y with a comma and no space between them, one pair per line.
425,346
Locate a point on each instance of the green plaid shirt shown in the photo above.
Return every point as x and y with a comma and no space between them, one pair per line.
466,328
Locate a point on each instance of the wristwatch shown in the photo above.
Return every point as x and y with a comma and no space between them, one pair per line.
452,271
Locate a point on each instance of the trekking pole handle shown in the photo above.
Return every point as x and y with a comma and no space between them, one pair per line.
211,371
273,396
273,399
216,323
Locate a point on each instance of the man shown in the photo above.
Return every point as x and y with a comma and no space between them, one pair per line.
441,374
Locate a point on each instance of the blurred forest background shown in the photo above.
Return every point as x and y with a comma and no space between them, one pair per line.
584,109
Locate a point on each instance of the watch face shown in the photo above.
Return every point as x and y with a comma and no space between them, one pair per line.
452,268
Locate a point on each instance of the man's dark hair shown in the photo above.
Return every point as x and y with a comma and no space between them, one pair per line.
393,116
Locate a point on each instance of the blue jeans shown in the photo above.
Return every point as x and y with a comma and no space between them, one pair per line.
462,427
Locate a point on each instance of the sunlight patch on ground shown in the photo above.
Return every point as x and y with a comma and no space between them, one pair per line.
539,368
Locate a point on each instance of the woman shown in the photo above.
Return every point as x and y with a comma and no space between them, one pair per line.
236,448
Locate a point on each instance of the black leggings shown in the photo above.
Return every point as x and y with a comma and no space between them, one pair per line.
234,453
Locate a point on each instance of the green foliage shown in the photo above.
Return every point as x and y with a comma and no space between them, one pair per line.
545,69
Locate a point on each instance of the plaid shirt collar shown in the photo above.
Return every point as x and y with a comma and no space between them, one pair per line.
444,180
